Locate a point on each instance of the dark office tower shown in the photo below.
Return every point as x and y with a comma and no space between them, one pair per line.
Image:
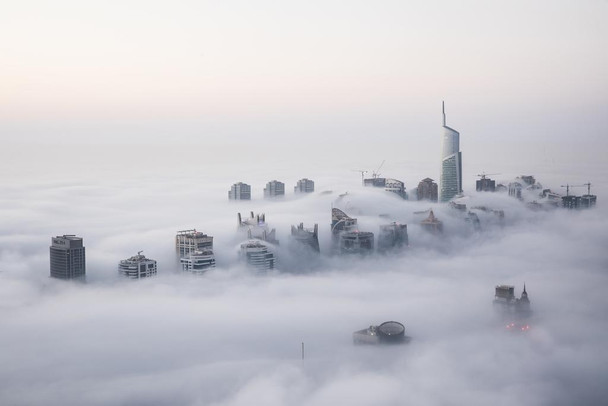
485,185
67,257
427,190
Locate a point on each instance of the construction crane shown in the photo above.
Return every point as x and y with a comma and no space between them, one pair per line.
567,186
362,174
376,173
588,184
483,175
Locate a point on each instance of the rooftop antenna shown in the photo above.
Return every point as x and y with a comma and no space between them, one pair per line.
302,350
362,174
443,110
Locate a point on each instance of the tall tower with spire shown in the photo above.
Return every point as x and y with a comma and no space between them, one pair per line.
451,163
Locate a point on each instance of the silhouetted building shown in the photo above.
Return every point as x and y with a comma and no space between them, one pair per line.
274,188
504,299
485,185
198,261
427,190
137,267
304,186
257,255
187,241
571,202
432,224
588,201
388,184
240,191
515,189
309,238
501,188
67,257
389,332
451,163
528,179
392,236
458,206
356,242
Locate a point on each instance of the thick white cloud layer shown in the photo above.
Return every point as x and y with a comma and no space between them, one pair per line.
233,338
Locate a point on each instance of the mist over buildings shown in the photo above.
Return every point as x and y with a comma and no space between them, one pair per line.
231,336
124,122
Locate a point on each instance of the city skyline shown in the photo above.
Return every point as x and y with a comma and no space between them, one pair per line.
126,124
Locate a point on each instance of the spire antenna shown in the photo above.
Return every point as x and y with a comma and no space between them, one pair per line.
443,110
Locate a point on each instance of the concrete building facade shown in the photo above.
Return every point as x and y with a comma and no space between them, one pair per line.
137,267
67,257
274,188
427,190
304,186
240,191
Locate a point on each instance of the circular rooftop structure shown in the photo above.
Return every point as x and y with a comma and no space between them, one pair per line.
391,331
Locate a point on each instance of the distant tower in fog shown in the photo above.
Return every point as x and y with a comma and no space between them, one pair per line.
451,163
240,191
304,186
67,257
274,188
427,190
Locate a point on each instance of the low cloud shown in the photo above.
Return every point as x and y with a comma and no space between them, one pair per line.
234,338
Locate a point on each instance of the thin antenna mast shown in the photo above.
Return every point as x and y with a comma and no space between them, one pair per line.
443,111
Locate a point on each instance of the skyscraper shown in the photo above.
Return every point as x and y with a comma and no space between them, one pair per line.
427,190
451,163
304,186
274,188
67,257
240,191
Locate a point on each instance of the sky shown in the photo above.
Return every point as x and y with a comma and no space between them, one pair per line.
123,122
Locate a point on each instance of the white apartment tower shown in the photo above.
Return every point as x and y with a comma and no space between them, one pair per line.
137,267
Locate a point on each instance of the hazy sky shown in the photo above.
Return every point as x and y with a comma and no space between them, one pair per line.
524,77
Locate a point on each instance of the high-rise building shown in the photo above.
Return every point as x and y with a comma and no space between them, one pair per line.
137,267
392,236
187,241
255,227
485,184
432,224
388,184
451,163
198,261
304,186
427,190
274,188
257,255
67,257
309,238
346,237
240,191
515,189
